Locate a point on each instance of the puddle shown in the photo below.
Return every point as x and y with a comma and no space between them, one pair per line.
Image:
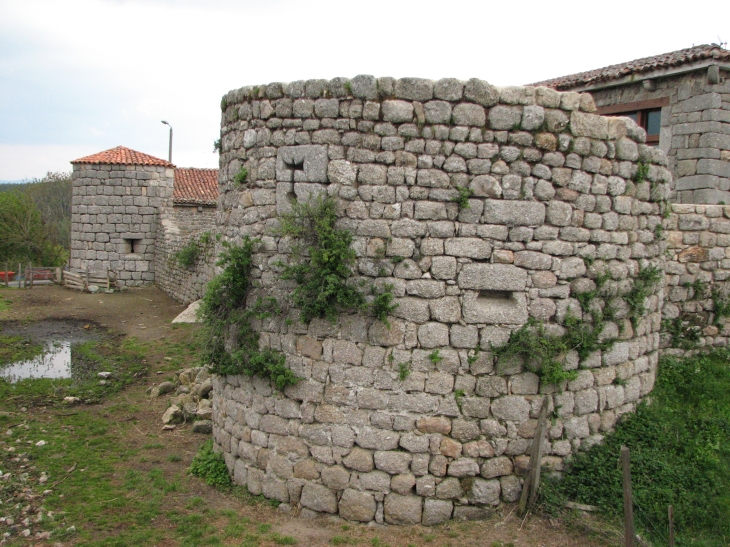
54,362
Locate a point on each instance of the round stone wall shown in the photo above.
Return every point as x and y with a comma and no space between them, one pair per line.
559,197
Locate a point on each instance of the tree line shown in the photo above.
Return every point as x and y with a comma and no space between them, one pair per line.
35,221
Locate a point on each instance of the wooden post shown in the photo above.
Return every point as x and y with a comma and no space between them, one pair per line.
59,275
7,275
87,278
107,279
17,276
628,498
532,479
671,526
30,274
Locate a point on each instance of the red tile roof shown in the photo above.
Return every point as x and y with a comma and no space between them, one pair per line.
639,66
195,186
123,156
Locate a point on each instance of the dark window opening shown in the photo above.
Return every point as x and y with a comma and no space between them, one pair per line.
132,245
495,295
650,120
646,114
294,166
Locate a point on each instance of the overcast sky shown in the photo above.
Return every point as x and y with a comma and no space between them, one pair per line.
81,76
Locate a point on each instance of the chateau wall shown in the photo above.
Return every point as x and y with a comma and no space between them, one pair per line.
554,205
695,131
113,205
698,264
178,227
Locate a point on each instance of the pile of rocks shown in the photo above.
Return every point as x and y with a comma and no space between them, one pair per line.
189,401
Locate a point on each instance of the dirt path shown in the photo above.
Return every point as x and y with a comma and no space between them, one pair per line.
146,314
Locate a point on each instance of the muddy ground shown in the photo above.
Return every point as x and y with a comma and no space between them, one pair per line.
146,314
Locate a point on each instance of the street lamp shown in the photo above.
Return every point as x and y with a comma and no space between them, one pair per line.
169,155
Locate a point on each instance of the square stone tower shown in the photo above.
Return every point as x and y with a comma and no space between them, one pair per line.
117,197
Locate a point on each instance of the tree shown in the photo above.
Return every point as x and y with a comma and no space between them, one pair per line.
24,236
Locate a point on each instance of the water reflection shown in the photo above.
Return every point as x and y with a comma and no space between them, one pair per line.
54,362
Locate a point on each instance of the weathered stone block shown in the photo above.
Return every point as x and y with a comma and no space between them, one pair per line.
357,506
400,509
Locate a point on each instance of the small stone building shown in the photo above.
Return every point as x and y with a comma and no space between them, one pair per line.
682,100
125,202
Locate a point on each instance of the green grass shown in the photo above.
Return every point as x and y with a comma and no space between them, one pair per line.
680,456
17,348
124,360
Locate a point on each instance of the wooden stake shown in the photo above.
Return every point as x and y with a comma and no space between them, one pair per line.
628,498
671,526
59,275
7,267
30,274
532,480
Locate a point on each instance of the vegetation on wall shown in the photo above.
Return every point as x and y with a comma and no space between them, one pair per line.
322,261
192,251
680,456
231,345
546,354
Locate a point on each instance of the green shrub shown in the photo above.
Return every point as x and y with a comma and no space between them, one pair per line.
680,455
322,261
241,177
226,316
210,466
463,198
188,255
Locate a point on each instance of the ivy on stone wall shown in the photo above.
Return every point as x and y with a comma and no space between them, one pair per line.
231,345
322,263
546,354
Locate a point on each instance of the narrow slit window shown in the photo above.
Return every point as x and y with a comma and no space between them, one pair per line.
496,295
132,245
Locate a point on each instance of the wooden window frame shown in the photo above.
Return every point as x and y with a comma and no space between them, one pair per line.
641,108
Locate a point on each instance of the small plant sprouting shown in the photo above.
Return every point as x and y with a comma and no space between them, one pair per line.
720,307
217,146
458,397
699,288
471,359
348,88
241,177
382,305
397,259
642,170
404,370
463,198
435,357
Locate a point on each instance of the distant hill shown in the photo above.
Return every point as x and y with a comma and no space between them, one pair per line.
10,184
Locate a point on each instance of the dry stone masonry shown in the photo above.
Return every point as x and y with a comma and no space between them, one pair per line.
114,218
554,201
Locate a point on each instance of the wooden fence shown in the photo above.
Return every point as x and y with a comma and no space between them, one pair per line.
25,276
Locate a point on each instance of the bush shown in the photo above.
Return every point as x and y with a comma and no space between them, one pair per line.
227,317
322,262
187,256
680,455
210,466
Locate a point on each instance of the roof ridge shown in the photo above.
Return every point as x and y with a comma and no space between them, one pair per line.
121,155
637,66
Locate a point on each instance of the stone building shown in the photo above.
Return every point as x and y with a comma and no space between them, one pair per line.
682,100
479,208
130,211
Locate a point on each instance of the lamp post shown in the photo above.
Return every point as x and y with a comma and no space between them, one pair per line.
169,155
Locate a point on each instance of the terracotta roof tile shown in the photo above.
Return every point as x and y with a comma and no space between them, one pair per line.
123,156
195,186
638,66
